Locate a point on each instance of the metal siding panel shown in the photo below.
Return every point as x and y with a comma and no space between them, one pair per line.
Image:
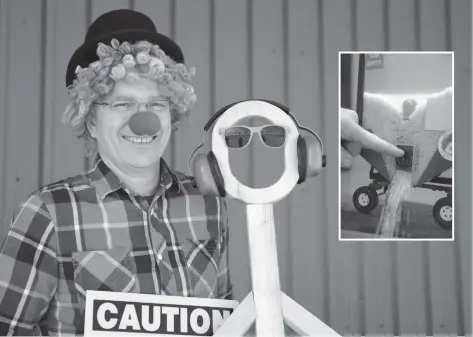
432,25
193,35
160,11
99,7
460,18
401,15
4,99
231,83
162,14
369,20
23,115
63,152
268,64
308,225
410,275
344,296
441,255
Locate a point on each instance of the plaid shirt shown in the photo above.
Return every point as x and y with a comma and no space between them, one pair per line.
90,232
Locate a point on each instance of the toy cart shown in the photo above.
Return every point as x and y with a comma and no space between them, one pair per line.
365,198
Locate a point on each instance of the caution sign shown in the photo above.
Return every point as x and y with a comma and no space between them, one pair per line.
109,313
374,61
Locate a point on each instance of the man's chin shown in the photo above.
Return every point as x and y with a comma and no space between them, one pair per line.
143,161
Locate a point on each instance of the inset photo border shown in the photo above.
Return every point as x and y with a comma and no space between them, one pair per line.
396,159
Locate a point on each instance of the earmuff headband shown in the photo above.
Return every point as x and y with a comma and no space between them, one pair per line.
212,120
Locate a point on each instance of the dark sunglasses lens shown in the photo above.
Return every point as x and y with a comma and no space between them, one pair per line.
237,137
273,136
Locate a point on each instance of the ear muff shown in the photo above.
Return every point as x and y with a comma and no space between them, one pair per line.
203,176
216,173
315,159
302,159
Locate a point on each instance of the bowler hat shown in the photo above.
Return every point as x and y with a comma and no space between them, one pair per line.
123,25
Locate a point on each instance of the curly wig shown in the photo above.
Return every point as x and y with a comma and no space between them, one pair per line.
126,61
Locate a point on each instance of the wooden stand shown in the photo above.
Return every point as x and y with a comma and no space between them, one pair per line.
267,304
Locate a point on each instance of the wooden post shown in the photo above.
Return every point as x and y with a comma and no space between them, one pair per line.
265,270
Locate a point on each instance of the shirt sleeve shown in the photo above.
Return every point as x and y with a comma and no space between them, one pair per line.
28,265
224,284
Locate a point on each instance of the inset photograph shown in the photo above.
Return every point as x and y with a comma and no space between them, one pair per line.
396,122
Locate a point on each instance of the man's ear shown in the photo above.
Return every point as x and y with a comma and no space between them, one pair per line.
90,122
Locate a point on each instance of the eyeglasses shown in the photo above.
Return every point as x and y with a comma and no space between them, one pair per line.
131,105
238,137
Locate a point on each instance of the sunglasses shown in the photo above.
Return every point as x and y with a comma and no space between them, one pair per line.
238,137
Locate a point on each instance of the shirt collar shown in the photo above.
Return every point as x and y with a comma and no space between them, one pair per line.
106,182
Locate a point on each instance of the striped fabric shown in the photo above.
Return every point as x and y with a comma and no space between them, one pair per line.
90,232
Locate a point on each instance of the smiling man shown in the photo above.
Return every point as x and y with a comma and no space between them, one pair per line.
131,224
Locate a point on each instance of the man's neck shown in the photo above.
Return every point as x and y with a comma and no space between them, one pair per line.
141,181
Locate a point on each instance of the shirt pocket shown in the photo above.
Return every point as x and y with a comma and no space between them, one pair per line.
202,258
104,270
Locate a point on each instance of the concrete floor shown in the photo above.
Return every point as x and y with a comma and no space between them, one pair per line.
417,223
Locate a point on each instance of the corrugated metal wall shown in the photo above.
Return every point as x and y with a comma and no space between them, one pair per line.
282,50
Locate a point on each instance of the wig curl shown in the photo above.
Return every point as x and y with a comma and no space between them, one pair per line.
126,61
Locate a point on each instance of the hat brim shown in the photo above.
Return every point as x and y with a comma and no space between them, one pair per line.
87,52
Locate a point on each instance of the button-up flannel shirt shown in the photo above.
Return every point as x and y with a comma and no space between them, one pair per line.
90,233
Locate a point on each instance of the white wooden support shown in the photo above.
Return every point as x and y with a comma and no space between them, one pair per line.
266,304
264,270
295,316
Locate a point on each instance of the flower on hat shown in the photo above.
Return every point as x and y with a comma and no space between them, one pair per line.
88,73
115,44
155,62
117,56
128,61
78,69
118,72
143,46
95,65
103,50
102,73
125,48
107,61
156,67
142,57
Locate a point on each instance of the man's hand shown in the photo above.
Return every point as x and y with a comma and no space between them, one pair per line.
357,138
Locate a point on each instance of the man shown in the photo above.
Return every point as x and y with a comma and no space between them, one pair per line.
131,224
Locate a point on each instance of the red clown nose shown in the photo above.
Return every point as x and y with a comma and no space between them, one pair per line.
144,123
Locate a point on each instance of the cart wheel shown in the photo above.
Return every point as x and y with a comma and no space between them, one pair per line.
365,199
443,213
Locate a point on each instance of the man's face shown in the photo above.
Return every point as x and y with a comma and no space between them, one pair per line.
115,135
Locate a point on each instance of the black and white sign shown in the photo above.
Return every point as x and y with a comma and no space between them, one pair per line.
374,61
109,313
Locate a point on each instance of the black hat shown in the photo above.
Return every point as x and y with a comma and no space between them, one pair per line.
123,25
